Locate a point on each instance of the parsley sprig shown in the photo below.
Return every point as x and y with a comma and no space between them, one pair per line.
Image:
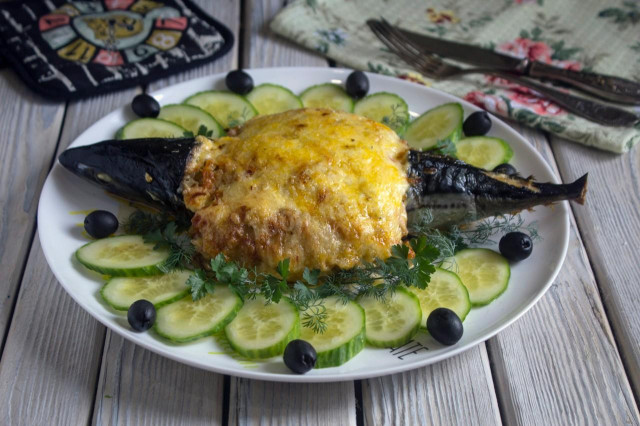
379,279
410,264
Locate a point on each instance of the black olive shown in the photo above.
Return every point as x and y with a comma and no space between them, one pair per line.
239,82
445,326
141,315
516,246
299,356
100,223
477,124
145,106
506,169
357,84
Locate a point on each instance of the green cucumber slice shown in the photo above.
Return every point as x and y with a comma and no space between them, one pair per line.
483,272
272,99
187,320
263,330
483,151
122,256
192,118
150,128
391,322
327,95
344,336
386,108
440,125
445,290
160,290
229,109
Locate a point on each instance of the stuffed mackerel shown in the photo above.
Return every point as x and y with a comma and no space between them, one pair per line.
326,189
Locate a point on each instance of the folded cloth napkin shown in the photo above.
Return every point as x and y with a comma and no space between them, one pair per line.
577,34
73,49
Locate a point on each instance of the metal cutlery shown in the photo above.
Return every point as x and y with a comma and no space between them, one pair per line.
433,67
611,88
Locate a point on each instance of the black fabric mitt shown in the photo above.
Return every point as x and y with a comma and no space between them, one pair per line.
74,49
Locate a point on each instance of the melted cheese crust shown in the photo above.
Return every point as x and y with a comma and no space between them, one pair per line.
325,189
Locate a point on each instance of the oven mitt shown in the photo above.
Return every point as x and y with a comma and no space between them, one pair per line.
75,49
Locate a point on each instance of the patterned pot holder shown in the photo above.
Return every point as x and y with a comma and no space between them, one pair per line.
74,49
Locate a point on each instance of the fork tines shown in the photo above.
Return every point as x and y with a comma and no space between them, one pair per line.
399,44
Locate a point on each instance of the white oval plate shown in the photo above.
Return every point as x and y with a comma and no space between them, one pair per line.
65,196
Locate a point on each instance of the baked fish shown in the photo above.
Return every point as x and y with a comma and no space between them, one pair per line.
325,189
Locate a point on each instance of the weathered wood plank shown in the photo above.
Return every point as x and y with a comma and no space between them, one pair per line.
254,402
57,373
30,127
458,391
559,364
135,385
610,225
139,387
49,366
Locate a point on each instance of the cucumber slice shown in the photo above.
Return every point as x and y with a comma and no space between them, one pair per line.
327,95
187,320
150,128
160,290
393,321
445,290
191,118
123,256
386,108
483,151
229,109
344,336
272,99
442,124
483,272
263,330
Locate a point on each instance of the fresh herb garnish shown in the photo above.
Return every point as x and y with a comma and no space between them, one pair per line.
482,232
397,119
181,250
202,131
446,147
141,223
379,279
410,265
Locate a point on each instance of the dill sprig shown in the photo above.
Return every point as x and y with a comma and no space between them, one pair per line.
398,118
181,250
482,232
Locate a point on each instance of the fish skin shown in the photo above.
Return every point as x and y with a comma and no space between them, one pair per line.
151,171
457,193
145,170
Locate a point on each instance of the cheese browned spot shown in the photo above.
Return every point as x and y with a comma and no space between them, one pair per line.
323,188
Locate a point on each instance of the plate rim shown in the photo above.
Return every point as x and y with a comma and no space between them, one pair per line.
561,208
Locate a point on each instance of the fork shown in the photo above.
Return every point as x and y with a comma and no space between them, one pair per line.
434,67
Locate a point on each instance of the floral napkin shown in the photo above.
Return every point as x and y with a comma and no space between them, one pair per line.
577,34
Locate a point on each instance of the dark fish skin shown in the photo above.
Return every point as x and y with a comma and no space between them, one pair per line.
456,192
145,170
151,171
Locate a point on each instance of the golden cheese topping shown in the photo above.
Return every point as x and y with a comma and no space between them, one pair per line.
323,188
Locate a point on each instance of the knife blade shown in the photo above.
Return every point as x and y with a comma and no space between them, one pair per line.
466,52
608,87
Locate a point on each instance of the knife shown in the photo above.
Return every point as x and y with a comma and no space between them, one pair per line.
607,87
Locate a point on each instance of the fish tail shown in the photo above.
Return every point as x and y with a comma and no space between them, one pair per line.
575,191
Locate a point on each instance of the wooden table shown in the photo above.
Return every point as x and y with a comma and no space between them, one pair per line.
572,359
